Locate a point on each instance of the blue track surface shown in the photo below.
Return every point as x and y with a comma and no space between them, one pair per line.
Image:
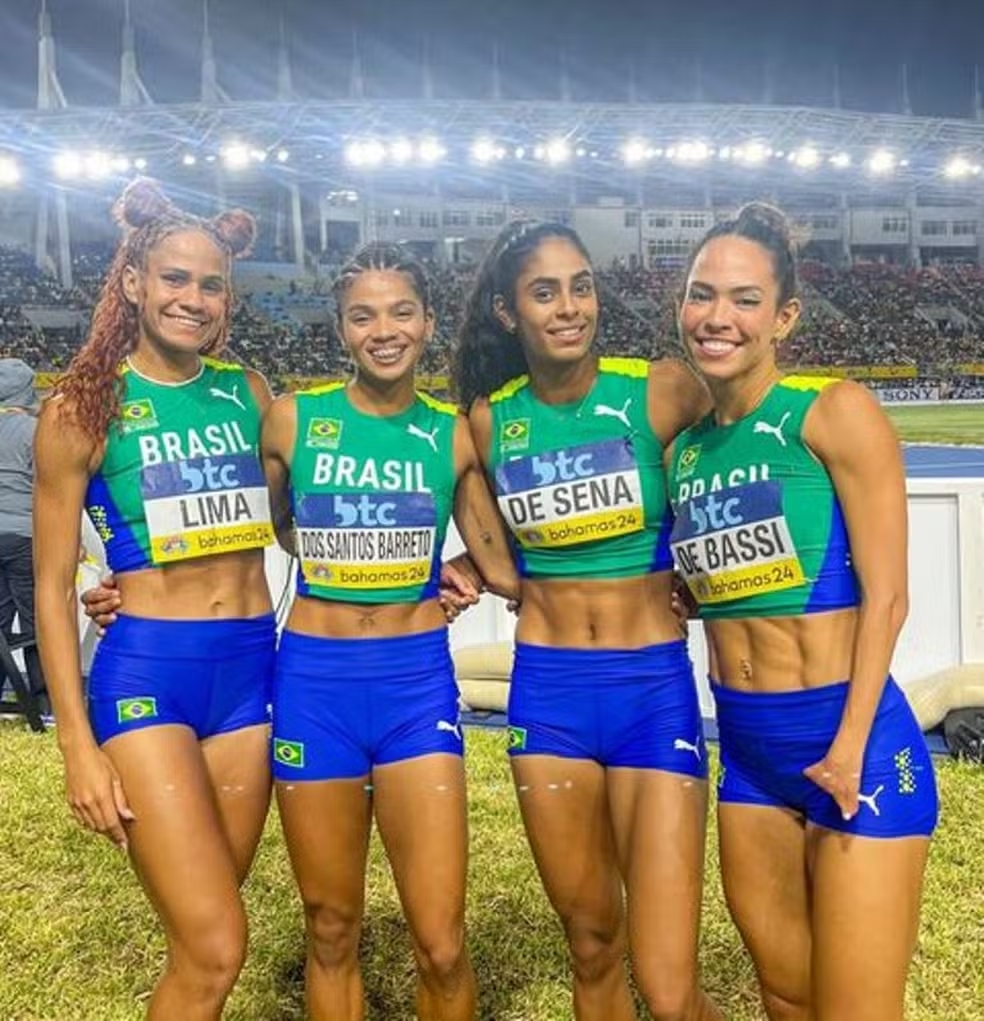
944,462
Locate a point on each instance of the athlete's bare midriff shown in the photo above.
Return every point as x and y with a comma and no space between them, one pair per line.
324,618
770,654
622,613
227,586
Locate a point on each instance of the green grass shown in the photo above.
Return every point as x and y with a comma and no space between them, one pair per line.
78,942
939,423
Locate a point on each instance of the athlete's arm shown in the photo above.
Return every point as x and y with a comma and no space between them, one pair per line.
676,398
277,437
849,432
478,520
65,458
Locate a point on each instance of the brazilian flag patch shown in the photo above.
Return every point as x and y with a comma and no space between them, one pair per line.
517,739
688,461
129,710
137,415
514,434
289,753
324,433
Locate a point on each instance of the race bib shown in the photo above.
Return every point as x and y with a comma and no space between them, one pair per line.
734,543
578,494
370,541
205,505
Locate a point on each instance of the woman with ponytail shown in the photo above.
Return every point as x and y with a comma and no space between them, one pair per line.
159,443
605,734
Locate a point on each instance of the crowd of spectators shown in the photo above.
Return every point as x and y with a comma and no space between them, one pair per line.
870,314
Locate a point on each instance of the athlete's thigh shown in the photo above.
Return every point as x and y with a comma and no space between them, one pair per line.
326,825
177,841
238,763
422,817
565,810
866,898
764,871
659,821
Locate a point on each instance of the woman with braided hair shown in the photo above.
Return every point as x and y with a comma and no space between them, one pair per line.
159,443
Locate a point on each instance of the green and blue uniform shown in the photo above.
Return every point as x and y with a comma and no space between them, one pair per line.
371,498
181,479
759,532
582,489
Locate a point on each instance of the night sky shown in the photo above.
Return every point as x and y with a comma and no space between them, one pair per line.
734,47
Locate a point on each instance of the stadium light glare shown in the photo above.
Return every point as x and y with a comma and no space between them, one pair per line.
140,163
557,151
520,152
120,164
483,150
635,151
690,152
805,157
282,155
189,159
840,160
752,154
367,153
67,165
881,161
401,150
10,172
235,156
97,166
430,151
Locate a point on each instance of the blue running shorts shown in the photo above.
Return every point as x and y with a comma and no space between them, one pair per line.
210,675
768,739
344,705
619,707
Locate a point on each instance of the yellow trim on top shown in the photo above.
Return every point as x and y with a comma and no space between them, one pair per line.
445,407
509,388
326,388
638,368
808,382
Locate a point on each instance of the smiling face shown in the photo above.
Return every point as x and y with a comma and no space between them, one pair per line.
384,324
731,319
555,307
181,295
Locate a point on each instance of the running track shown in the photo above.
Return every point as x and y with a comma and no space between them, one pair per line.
944,462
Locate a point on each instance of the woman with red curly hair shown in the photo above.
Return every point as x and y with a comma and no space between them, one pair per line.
159,443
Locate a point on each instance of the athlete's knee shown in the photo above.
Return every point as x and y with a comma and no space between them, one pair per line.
595,948
786,1005
208,962
333,934
669,997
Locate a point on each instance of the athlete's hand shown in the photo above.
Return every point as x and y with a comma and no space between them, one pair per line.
839,774
95,794
101,602
461,586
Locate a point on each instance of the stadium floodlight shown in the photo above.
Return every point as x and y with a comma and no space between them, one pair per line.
840,160
259,155
140,163
635,151
68,165
282,155
958,167
752,154
366,153
430,150
483,150
401,150
10,172
881,161
119,164
690,152
235,156
520,152
189,159
557,151
805,157
97,165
